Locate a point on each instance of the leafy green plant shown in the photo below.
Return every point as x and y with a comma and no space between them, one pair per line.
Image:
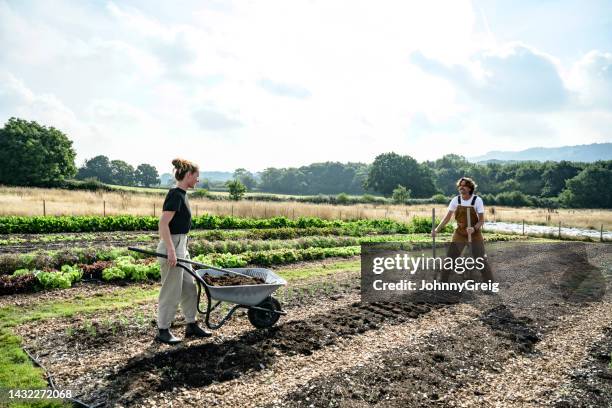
90,328
22,272
126,268
51,280
113,273
73,273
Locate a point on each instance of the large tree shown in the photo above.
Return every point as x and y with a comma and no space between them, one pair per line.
122,173
146,175
34,155
556,174
390,170
246,178
98,167
590,188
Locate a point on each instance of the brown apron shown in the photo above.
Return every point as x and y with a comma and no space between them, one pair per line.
460,239
460,234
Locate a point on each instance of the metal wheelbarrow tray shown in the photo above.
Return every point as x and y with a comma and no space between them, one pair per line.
263,310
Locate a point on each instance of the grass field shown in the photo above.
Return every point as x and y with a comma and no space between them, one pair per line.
35,201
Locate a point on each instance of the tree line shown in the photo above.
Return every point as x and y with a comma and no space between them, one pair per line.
118,172
35,155
550,183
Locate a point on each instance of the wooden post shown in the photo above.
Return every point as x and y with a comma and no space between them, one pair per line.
44,208
601,233
232,210
196,210
293,212
104,208
154,209
340,214
433,226
559,229
523,227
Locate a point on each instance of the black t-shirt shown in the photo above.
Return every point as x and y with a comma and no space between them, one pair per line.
176,200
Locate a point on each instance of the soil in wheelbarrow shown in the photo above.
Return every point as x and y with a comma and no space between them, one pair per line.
232,280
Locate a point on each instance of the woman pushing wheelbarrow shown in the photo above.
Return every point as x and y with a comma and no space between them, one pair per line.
246,288
178,286
466,207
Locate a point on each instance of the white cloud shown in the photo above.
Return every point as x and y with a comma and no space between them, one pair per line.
591,79
288,83
513,77
47,108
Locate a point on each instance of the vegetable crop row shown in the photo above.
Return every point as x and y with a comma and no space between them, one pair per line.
56,224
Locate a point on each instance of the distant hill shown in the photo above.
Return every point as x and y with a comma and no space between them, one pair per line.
216,175
212,176
580,153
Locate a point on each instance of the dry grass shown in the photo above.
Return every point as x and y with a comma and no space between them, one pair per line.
29,201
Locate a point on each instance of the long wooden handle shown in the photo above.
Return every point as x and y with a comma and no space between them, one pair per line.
469,222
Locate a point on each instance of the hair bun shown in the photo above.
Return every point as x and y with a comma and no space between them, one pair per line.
182,167
178,163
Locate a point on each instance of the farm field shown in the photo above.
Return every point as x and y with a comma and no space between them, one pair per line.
29,202
544,339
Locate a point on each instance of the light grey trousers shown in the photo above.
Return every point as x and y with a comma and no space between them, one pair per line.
178,286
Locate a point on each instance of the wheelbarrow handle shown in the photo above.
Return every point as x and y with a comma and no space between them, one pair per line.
188,261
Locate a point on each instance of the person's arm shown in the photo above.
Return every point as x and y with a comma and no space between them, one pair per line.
442,224
481,221
164,233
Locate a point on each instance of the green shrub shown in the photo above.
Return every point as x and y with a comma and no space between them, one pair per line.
343,199
200,193
440,199
513,198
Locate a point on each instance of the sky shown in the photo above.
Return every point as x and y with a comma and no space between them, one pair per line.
259,84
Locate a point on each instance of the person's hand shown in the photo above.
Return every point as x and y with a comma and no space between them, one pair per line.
470,230
172,257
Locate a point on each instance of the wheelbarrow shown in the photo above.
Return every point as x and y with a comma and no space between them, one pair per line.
263,310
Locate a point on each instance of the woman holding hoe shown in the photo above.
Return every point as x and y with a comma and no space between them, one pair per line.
178,286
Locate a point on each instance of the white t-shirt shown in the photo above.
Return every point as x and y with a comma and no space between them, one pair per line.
478,204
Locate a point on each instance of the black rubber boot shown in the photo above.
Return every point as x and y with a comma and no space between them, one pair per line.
165,336
193,330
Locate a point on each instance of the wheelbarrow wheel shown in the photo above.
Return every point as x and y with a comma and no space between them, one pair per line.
261,319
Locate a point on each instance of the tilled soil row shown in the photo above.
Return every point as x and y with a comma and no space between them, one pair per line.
534,380
590,385
472,365
101,239
200,365
82,352
292,373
